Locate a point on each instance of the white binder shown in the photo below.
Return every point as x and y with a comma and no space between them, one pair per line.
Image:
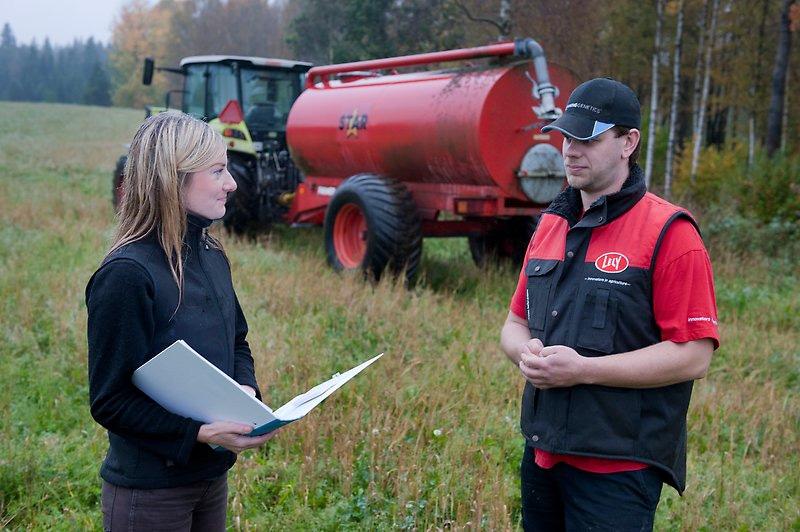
185,383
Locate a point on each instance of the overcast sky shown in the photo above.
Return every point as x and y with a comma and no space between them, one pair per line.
60,20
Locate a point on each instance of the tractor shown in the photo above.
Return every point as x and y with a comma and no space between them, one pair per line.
247,100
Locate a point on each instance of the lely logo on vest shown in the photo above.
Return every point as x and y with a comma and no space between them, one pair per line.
612,262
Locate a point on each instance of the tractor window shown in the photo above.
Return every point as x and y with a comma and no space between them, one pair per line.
267,96
194,85
221,88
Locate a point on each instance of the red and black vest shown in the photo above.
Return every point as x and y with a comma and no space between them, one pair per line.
589,287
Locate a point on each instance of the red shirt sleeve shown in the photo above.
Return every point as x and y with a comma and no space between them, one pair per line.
683,287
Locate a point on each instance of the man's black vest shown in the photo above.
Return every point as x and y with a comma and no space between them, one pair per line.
589,288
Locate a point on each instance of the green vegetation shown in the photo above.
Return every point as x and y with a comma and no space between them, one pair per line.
426,439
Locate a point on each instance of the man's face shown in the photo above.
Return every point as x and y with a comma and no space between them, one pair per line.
596,166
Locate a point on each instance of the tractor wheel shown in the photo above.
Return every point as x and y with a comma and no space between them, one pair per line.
241,210
116,182
506,241
372,224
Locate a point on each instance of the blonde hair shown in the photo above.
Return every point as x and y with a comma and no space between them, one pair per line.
166,149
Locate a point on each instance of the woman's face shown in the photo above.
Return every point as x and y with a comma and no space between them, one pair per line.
208,190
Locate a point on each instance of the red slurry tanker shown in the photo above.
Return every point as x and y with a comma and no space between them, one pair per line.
391,158
383,158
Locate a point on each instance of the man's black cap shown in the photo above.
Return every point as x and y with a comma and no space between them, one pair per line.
596,106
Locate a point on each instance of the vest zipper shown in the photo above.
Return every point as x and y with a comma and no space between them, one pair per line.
215,297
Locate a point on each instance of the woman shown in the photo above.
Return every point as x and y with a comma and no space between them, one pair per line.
164,279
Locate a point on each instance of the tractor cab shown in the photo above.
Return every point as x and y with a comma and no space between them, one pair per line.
263,90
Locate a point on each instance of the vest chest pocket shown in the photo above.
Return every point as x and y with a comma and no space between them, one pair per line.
598,320
540,274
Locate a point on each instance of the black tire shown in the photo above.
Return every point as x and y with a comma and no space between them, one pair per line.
393,236
506,241
241,209
116,182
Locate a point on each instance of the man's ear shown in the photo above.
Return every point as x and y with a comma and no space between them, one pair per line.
632,140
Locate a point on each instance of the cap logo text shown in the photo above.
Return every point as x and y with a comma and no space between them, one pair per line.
612,262
586,106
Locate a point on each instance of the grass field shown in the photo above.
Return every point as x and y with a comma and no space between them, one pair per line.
426,439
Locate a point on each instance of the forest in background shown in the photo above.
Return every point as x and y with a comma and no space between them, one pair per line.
75,73
717,78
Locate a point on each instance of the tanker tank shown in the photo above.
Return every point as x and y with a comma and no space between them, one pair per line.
469,127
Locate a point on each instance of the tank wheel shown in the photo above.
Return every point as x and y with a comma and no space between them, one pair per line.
506,241
241,209
372,224
116,182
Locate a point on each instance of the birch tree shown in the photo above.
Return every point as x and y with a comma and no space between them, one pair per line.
755,82
785,116
701,26
701,115
502,23
673,112
779,73
505,20
651,128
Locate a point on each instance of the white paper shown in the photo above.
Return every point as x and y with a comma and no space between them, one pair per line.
304,403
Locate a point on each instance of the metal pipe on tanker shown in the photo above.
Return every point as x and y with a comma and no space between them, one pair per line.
490,50
543,90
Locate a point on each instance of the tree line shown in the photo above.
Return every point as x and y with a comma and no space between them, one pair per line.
704,68
76,73
711,74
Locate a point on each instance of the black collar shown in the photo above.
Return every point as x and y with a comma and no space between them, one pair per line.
197,223
605,208
196,228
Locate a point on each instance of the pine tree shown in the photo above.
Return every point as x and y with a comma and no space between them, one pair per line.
8,50
98,87
7,39
46,83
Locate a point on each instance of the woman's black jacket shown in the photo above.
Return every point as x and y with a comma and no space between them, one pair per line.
132,301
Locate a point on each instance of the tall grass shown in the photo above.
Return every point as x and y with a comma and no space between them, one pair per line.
425,439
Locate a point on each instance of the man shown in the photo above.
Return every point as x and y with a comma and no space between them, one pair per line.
612,319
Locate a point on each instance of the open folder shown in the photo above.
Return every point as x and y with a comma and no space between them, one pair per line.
185,383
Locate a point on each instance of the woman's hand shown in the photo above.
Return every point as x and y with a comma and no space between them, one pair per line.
231,435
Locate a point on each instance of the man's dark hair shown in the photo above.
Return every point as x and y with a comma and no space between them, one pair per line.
634,158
